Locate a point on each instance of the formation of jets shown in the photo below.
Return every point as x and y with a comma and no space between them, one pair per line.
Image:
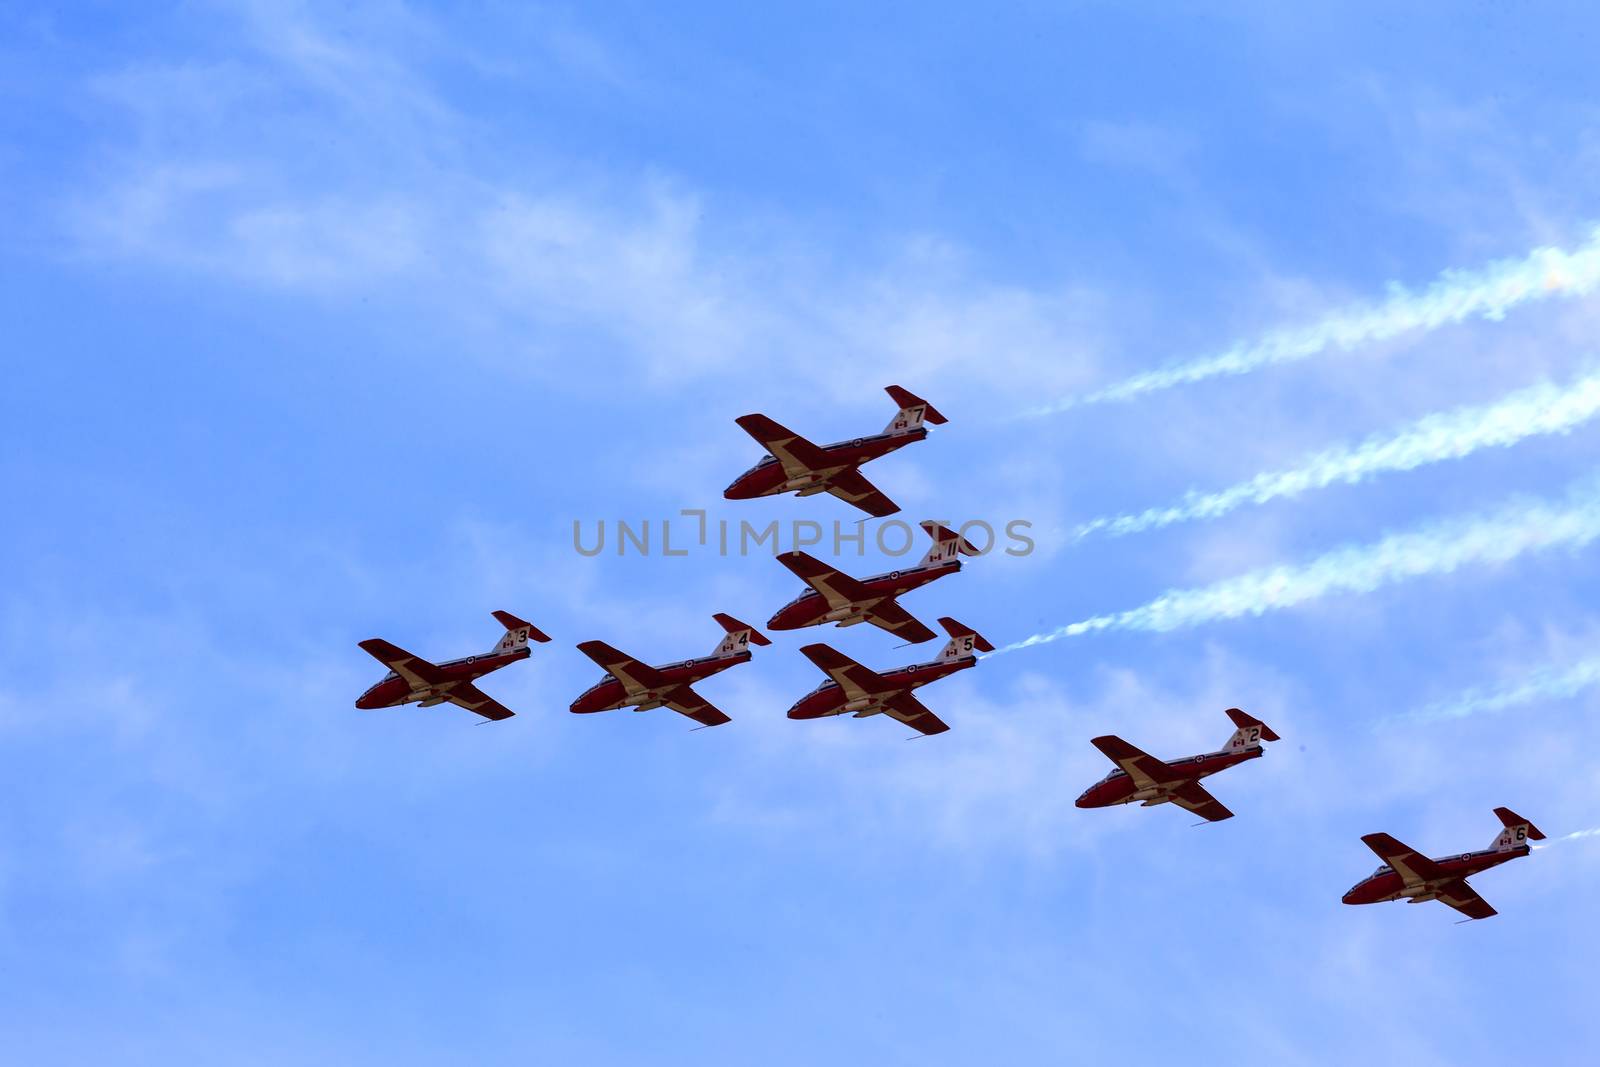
793,464
1406,874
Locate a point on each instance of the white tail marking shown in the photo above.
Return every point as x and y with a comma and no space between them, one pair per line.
513,640
737,641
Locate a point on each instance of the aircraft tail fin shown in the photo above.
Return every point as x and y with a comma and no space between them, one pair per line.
1249,733
518,633
913,411
739,637
947,544
1517,831
964,643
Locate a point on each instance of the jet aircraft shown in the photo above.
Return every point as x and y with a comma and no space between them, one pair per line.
854,688
1408,874
1143,778
794,464
836,597
414,680
630,683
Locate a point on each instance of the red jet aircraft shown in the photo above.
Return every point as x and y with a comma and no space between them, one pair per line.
854,688
631,683
414,680
1409,874
1141,777
838,598
795,465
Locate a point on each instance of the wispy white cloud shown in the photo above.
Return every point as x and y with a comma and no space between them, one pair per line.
216,219
1539,410
359,174
1457,295
1520,526
1548,683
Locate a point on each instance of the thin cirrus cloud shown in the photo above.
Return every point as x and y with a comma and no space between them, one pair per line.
1547,683
1456,295
1519,526
1541,409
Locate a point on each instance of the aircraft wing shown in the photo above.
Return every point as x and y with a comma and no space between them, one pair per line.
887,614
833,585
1143,768
1411,865
1462,897
417,672
1191,796
637,678
466,695
858,682
685,701
911,711
797,455
851,486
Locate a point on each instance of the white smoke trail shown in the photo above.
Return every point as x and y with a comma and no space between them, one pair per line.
1454,296
1521,525
1547,684
1540,409
1576,835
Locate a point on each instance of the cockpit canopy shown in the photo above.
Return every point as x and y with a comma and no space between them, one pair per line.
757,465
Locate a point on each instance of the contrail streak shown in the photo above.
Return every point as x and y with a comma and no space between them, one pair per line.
1548,684
1521,525
1576,835
1540,409
1456,295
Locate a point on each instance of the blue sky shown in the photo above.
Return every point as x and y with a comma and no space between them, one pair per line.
327,322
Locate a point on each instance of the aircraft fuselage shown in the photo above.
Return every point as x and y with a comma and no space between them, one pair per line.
1118,788
609,694
1387,884
830,699
811,608
768,478
392,690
